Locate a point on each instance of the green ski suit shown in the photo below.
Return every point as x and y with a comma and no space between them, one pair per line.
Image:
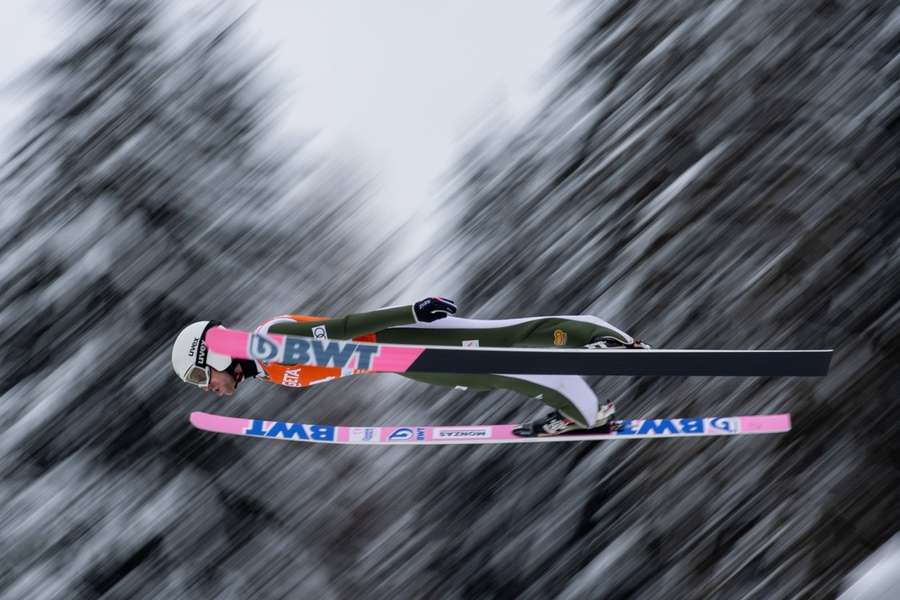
397,325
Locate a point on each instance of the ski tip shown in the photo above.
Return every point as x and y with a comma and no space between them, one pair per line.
200,419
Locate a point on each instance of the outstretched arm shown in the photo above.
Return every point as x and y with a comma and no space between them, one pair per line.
359,324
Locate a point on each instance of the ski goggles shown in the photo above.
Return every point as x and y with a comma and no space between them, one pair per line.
200,373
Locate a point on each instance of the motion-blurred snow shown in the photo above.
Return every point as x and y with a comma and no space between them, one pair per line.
714,174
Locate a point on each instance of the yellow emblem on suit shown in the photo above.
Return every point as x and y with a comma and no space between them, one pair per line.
559,337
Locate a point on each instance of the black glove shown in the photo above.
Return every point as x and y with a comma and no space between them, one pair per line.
432,309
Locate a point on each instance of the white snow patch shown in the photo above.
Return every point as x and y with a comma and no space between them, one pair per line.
683,180
588,580
877,577
42,403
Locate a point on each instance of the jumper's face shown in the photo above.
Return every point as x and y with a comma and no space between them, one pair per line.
223,383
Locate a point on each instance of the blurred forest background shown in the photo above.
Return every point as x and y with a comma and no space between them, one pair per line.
704,174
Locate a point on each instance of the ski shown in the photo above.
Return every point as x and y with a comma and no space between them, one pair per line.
486,434
394,358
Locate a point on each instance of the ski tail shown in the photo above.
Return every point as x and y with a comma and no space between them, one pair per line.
486,434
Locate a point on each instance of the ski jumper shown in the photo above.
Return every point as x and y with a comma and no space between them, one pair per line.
397,325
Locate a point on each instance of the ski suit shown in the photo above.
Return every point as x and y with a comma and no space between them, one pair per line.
397,325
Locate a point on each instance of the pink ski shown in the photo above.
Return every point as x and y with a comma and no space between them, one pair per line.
486,434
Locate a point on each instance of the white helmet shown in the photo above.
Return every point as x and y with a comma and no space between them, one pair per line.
191,358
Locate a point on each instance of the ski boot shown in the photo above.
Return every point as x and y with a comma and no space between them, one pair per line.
605,422
556,423
607,342
553,423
